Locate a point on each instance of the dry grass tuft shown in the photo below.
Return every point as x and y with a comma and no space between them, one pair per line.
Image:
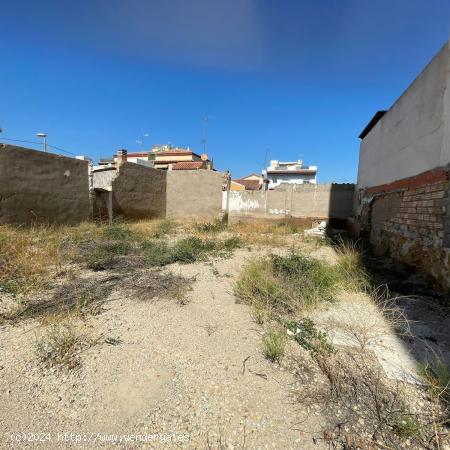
274,343
354,277
286,284
29,258
59,345
279,234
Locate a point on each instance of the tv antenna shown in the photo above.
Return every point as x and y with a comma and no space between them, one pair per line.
205,131
266,155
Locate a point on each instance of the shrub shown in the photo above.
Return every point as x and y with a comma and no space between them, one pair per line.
187,250
118,232
274,344
310,338
258,286
157,253
191,249
286,284
313,280
103,254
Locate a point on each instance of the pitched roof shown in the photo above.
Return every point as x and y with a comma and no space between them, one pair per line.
188,165
250,185
251,175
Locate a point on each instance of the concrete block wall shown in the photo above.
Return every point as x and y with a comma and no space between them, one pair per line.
194,194
38,187
307,201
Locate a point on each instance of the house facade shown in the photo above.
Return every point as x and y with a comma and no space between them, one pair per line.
289,172
402,197
166,157
252,182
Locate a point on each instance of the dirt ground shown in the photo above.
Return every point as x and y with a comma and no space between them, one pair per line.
178,370
161,373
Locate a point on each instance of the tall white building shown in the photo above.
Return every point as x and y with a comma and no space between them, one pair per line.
291,172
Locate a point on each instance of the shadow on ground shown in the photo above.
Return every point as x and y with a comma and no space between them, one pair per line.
425,307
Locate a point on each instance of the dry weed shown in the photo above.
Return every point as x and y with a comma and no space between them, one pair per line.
60,345
361,405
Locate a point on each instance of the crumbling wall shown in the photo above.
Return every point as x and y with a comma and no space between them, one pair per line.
194,194
304,201
410,220
42,187
139,192
103,178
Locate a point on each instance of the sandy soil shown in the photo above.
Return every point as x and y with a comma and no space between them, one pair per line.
178,371
161,374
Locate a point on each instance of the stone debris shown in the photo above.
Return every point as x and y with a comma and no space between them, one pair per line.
318,230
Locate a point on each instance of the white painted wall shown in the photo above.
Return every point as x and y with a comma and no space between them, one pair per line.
414,135
276,180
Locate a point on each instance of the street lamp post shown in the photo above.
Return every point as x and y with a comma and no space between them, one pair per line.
44,137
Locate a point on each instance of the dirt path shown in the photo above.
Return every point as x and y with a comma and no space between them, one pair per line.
178,370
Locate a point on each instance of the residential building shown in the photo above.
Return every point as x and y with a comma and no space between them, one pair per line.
235,186
252,182
166,157
290,172
402,204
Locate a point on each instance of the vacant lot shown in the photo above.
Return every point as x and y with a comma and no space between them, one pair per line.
167,335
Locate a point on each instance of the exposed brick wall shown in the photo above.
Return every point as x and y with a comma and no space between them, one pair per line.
410,220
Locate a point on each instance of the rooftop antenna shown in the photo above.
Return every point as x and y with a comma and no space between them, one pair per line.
265,158
142,140
205,136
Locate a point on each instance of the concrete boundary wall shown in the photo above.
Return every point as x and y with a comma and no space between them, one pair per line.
307,201
195,195
139,192
38,187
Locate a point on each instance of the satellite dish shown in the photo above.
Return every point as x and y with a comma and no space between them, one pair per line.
204,157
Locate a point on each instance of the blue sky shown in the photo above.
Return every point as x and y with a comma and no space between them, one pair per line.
300,78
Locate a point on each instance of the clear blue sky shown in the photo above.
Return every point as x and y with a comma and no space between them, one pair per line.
302,78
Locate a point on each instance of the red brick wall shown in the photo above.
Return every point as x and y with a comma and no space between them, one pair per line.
409,220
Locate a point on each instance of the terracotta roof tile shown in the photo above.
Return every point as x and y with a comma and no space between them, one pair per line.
188,165
250,185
